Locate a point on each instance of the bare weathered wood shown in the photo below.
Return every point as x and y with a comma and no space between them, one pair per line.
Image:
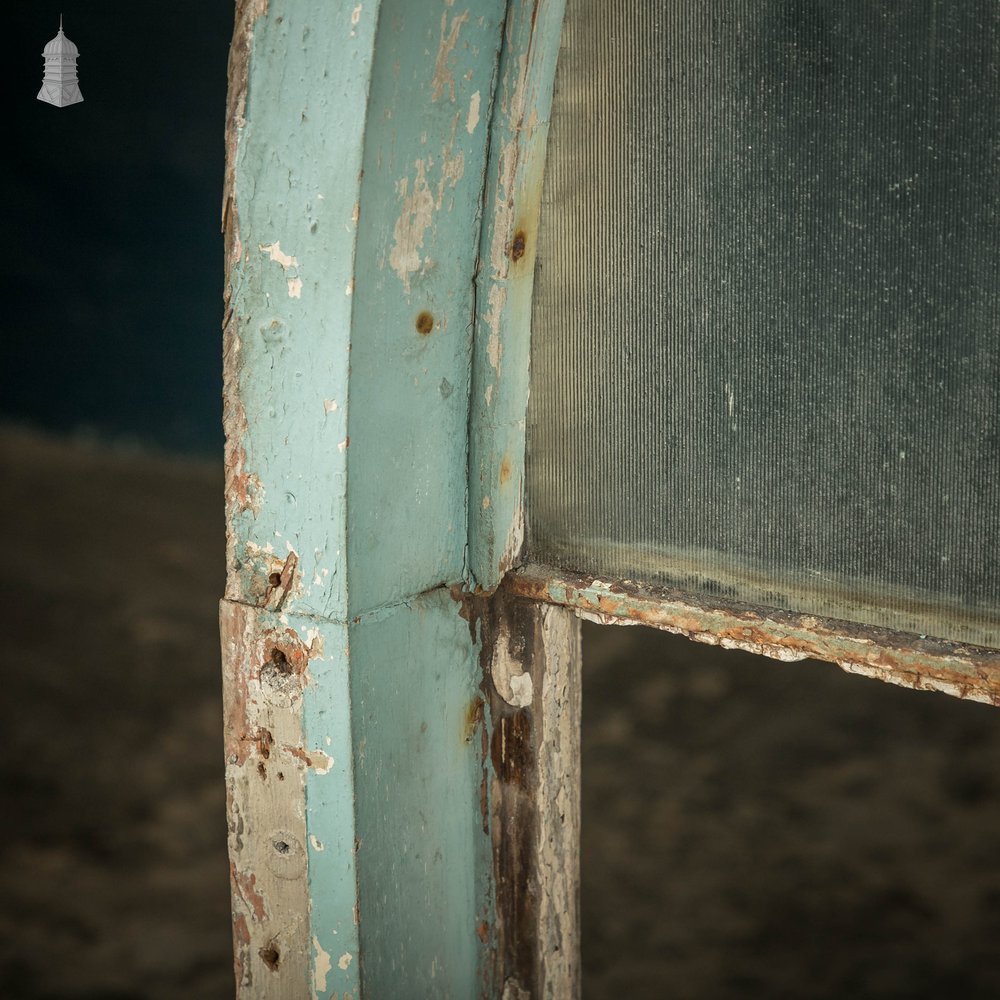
531,662
266,666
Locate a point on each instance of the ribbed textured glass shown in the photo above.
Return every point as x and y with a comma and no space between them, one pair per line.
765,329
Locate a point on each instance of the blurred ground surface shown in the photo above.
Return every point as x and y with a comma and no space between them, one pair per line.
751,828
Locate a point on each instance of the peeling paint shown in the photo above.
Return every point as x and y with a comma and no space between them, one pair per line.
419,202
297,818
473,117
497,301
494,350
520,690
452,166
245,884
510,554
315,759
264,787
518,126
247,13
274,251
321,966
534,790
917,662
415,217
443,78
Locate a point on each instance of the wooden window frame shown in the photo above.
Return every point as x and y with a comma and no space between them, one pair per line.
401,694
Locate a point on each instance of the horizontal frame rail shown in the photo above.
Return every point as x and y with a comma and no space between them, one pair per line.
920,662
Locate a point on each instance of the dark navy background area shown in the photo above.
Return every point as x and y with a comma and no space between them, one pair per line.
112,284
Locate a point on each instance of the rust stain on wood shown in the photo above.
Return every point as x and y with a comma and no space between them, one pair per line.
474,715
241,945
299,754
245,883
919,662
506,629
517,245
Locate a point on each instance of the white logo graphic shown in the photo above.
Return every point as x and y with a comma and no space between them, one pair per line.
59,86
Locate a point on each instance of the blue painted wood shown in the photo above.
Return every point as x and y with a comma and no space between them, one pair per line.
424,855
519,134
358,140
299,80
334,932
295,158
424,161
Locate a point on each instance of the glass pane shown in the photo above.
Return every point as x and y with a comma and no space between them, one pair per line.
764,342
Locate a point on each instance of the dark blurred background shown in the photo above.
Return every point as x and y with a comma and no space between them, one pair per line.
113,278
751,829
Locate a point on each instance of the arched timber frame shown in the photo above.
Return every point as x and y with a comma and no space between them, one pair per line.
401,734
402,696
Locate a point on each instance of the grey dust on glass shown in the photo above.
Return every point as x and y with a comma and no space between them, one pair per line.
765,359
60,86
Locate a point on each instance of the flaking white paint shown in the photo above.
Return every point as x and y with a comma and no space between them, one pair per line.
443,79
473,119
274,251
521,690
321,968
415,217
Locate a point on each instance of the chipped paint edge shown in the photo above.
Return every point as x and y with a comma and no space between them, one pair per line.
919,662
518,122
558,860
267,833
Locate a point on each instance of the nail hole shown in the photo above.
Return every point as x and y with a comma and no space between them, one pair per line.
280,661
274,579
270,956
425,323
282,847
